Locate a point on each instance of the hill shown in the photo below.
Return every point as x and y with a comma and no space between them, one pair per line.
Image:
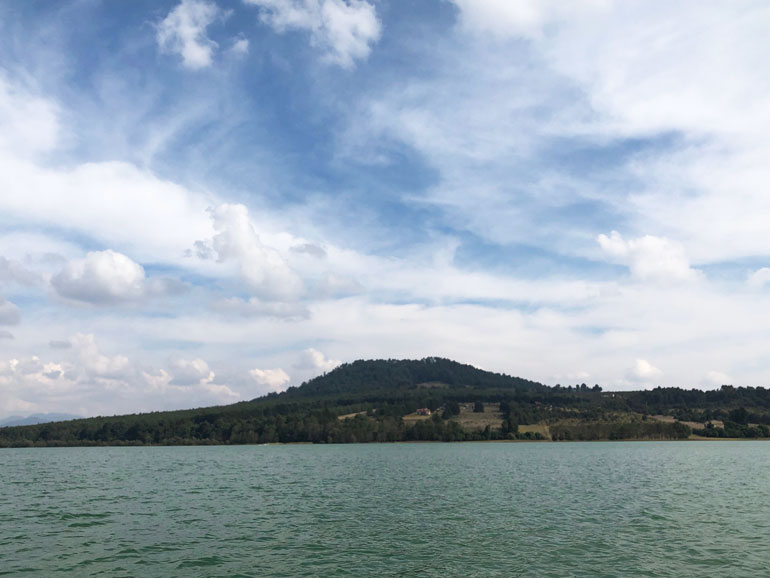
405,374
428,399
36,418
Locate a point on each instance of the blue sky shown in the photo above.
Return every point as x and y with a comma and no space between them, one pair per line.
204,201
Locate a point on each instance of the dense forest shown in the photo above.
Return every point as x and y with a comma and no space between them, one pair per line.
431,399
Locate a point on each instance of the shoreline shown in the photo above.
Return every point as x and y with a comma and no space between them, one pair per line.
406,442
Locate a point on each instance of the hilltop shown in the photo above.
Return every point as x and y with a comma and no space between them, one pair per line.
364,376
427,399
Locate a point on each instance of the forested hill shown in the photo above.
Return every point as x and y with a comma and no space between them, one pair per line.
393,374
429,399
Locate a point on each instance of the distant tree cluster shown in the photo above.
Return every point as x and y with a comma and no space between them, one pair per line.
620,431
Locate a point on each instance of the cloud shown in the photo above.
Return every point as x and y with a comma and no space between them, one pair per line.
191,372
639,66
60,344
149,218
52,373
638,74
716,378
201,249
571,377
240,47
193,377
481,118
643,371
183,32
343,30
12,271
95,363
504,120
254,307
103,277
679,152
221,394
312,359
332,285
310,249
189,385
87,381
10,314
265,272
272,379
525,18
649,258
29,124
5,334
759,278
85,377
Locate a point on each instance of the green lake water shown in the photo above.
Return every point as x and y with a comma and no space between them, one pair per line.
476,509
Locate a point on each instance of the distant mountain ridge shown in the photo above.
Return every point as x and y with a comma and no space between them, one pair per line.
37,418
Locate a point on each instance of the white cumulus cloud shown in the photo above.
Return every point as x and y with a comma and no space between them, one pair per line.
649,257
183,32
191,372
240,47
11,271
643,372
192,377
312,359
272,379
96,363
85,380
102,277
343,30
716,378
265,272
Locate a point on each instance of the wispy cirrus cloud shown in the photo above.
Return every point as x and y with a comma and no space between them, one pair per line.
30,123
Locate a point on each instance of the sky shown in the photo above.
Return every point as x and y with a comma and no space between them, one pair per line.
205,201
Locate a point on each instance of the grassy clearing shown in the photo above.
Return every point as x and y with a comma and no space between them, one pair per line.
413,417
540,428
471,420
692,424
350,415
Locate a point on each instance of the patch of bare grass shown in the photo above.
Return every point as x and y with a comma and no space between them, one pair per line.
471,420
534,428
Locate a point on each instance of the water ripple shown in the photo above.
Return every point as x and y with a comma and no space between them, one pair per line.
425,510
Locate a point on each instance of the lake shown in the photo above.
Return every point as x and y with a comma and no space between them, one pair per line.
473,509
